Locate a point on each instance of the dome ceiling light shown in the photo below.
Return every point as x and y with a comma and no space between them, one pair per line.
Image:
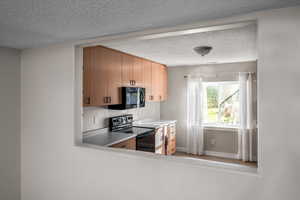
203,50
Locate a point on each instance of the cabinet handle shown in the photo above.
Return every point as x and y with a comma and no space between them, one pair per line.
109,99
130,82
105,99
133,82
88,100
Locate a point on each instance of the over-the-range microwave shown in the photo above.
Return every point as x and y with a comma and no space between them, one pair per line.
132,97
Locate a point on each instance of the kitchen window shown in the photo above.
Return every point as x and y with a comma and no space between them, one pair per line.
221,104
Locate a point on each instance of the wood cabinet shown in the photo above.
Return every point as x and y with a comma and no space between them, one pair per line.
171,140
127,70
102,77
132,71
164,87
88,63
138,74
106,70
147,72
155,82
159,82
128,144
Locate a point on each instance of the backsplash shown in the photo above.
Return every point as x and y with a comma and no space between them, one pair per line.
97,117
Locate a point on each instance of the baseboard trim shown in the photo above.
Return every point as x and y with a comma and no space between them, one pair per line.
181,149
212,153
221,154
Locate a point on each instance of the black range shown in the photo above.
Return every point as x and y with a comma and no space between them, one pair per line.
145,139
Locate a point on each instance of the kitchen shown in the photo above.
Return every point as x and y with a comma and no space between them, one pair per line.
45,126
135,93
120,81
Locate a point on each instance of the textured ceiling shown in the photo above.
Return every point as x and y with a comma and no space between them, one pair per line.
31,23
233,45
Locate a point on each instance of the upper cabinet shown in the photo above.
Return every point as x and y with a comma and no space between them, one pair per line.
132,71
159,82
102,76
138,75
106,70
164,79
156,82
127,70
114,76
147,73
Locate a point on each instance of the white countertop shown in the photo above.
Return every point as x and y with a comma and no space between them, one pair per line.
153,123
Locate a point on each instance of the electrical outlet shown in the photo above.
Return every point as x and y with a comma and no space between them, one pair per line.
213,142
94,120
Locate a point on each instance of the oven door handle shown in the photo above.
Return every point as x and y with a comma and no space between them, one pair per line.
150,133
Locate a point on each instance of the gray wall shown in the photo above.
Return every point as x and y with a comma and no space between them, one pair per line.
53,168
175,107
9,124
97,117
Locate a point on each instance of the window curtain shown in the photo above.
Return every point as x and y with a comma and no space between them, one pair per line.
247,124
195,138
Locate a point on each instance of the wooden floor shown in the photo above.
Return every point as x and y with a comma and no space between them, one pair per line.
213,158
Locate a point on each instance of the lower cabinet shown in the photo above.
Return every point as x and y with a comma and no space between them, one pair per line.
159,141
128,144
171,139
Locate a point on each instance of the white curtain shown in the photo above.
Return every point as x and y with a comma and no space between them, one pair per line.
247,124
195,139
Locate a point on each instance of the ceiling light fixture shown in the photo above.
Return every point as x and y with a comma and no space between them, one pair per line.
203,50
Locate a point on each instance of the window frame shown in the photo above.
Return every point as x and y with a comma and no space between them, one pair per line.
219,125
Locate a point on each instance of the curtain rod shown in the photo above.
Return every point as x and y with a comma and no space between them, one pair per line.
214,75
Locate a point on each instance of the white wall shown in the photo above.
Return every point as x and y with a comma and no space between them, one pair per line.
9,124
53,168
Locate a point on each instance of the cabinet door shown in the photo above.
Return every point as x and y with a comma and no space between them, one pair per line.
87,76
100,81
161,82
156,83
147,71
164,90
95,82
128,144
114,75
127,69
138,78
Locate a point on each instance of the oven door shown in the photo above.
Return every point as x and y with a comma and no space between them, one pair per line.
146,142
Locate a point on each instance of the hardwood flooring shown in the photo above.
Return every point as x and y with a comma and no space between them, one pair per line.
214,158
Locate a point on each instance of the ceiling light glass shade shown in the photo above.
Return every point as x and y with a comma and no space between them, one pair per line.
203,50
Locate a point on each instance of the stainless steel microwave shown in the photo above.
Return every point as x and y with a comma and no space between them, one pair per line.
132,97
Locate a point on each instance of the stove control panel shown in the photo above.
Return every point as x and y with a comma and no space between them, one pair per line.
119,122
